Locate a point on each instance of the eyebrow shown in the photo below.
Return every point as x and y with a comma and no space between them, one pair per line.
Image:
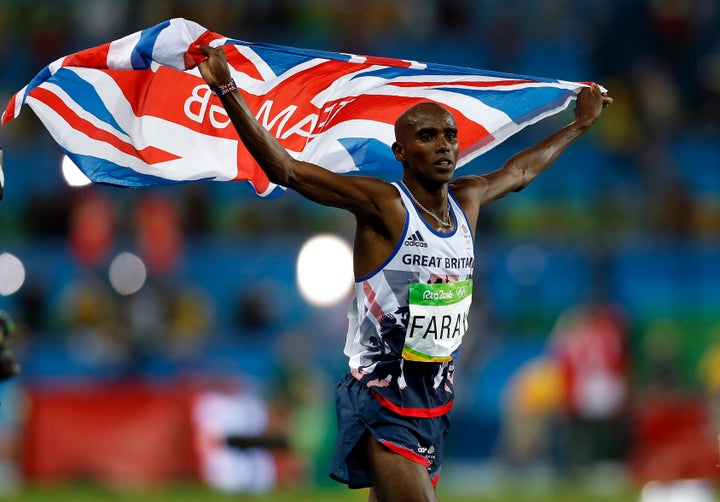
426,130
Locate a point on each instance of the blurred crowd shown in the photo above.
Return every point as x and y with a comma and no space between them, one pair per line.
646,176
659,58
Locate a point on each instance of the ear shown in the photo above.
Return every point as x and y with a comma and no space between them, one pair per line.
398,151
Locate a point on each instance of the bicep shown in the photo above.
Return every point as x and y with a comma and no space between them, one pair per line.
376,204
483,189
473,192
357,194
502,182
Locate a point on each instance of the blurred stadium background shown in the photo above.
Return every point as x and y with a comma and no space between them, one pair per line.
152,322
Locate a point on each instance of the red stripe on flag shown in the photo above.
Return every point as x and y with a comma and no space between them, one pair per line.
89,58
392,62
193,56
9,113
150,155
388,108
249,170
241,63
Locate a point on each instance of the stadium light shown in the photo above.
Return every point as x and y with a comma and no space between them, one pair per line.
72,173
324,270
12,274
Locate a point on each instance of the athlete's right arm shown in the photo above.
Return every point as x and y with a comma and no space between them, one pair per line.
361,195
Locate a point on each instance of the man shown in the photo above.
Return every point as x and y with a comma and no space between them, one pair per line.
413,263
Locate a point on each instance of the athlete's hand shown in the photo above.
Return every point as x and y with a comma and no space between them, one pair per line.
215,68
590,103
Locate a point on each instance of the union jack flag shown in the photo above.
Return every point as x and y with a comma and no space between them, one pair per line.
136,111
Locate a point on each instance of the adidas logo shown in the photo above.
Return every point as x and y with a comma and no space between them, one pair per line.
416,239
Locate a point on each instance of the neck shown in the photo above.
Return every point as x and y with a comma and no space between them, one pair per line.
442,215
433,196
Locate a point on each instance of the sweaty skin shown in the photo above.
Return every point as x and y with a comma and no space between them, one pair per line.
427,147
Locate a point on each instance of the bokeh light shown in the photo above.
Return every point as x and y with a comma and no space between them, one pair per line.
324,270
72,173
12,274
127,273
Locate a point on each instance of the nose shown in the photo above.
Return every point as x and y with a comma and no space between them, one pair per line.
443,144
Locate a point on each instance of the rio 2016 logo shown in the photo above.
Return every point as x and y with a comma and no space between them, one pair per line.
462,291
437,295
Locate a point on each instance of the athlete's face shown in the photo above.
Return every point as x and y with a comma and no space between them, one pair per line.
426,142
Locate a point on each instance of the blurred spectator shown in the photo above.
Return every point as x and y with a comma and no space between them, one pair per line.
11,411
532,403
301,391
660,349
157,232
196,210
146,314
190,321
255,308
92,227
9,367
590,345
32,306
96,337
709,373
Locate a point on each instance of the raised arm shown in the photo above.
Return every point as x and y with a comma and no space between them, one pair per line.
313,182
520,169
377,206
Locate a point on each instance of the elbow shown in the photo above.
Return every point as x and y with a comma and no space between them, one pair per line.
281,173
277,177
522,179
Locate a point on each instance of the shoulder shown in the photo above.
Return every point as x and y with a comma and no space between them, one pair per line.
375,191
378,203
469,188
471,194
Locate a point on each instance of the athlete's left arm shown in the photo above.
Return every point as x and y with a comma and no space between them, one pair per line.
519,170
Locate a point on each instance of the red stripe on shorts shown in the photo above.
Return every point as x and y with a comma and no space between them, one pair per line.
414,412
435,480
407,453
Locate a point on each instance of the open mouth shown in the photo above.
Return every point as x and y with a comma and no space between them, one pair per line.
444,163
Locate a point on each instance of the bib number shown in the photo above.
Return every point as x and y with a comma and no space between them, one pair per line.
438,320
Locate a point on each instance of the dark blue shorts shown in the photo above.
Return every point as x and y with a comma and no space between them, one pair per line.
418,439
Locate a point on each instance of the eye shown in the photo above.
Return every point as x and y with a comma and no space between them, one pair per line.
451,135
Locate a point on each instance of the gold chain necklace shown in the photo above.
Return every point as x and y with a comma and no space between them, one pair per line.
442,223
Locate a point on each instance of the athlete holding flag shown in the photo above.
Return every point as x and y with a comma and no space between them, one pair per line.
413,264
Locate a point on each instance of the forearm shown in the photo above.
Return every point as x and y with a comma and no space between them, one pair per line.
272,157
529,163
526,165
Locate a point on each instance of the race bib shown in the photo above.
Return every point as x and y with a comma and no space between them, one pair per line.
438,320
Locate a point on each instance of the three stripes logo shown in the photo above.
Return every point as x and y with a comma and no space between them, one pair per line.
416,239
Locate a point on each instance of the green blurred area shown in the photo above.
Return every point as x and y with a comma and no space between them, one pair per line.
195,493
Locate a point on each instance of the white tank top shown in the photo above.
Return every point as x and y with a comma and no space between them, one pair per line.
412,312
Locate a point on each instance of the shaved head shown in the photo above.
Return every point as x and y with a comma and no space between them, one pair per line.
425,111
